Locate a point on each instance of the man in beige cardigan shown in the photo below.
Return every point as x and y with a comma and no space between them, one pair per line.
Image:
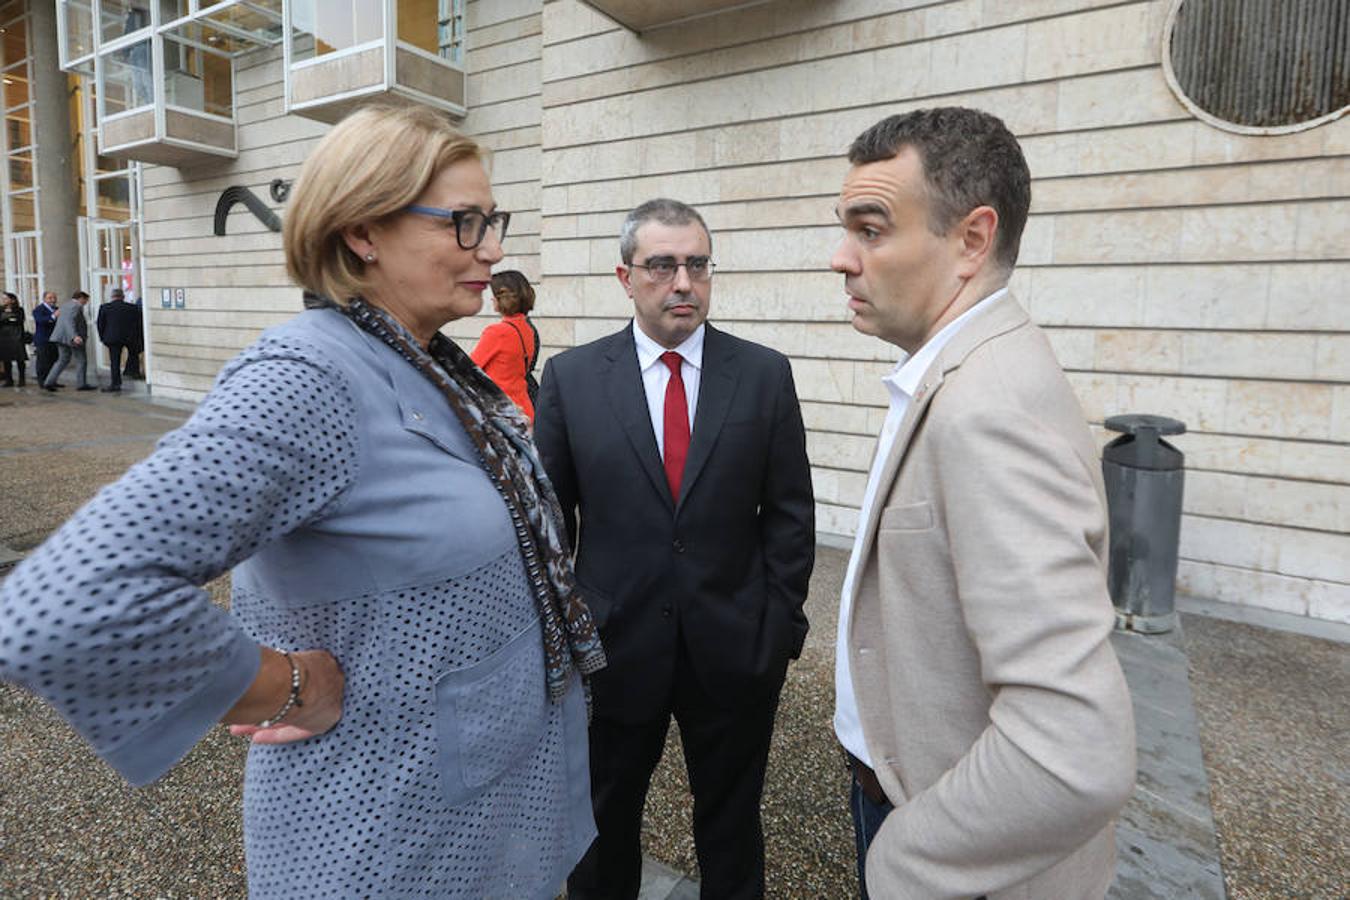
987,722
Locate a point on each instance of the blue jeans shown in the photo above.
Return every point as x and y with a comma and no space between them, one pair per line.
867,819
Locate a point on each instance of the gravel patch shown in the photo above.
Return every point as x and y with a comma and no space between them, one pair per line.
1275,731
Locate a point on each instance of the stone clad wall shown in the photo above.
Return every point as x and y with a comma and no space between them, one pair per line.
502,60
236,285
1179,269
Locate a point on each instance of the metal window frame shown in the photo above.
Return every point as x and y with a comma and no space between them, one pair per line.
389,45
14,238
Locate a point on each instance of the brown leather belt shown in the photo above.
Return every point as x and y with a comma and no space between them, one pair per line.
866,778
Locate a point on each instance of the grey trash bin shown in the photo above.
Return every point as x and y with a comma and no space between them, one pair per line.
1144,476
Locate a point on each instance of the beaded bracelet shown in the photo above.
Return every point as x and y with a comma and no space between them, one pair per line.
292,699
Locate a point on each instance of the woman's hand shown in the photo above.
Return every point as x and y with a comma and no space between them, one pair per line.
320,707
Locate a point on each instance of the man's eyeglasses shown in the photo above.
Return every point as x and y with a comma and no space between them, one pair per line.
471,225
663,268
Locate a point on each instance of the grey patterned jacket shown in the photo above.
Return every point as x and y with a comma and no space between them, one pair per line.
336,482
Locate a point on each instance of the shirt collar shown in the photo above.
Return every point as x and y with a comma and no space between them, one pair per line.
909,370
649,351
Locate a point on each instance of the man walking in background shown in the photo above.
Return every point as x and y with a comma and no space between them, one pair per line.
69,335
119,328
44,320
681,451
984,713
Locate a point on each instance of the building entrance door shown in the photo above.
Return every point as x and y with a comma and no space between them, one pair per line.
108,259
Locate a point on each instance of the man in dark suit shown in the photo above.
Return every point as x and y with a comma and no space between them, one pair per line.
119,328
681,450
44,320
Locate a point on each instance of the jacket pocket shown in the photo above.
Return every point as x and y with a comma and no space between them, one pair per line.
490,715
907,517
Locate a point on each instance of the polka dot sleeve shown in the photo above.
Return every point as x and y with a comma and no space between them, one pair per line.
106,620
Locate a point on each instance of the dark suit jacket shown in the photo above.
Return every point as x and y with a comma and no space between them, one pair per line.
44,320
119,322
726,569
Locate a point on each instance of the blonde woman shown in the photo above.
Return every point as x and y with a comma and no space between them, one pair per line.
405,645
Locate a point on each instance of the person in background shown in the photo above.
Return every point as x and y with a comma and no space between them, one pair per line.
44,320
12,335
119,326
507,350
69,335
132,369
405,644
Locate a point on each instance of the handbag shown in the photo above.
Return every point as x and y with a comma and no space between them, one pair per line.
531,383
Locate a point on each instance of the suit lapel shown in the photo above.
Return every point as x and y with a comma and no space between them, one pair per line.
1003,316
717,386
622,381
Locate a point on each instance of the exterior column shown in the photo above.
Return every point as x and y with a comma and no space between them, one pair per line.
54,160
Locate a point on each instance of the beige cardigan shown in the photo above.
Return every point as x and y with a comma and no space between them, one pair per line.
992,704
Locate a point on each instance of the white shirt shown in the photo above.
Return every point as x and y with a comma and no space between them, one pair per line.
656,375
901,384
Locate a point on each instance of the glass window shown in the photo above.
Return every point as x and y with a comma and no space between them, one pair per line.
22,212
20,171
328,26
419,24
77,17
114,198
258,19
122,17
208,35
16,87
451,30
127,82
15,41
197,79
20,130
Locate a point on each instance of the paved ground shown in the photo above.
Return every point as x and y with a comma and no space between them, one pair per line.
1270,710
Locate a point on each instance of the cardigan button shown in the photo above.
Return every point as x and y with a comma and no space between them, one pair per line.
417,416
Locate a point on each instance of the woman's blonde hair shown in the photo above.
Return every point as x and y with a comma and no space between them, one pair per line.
372,164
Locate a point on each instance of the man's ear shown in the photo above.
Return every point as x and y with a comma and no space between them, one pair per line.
977,232
625,278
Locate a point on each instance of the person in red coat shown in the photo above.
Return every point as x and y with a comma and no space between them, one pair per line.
508,350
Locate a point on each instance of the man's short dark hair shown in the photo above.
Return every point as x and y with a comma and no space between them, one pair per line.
662,210
79,295
970,159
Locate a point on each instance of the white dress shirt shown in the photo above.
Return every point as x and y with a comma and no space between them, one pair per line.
656,375
901,384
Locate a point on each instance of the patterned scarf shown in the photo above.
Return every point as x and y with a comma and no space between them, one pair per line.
500,434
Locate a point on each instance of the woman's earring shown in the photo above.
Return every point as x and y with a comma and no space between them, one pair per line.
370,257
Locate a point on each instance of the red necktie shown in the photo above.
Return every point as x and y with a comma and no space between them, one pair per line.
676,442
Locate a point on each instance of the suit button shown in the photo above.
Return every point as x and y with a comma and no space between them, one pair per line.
678,545
665,611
